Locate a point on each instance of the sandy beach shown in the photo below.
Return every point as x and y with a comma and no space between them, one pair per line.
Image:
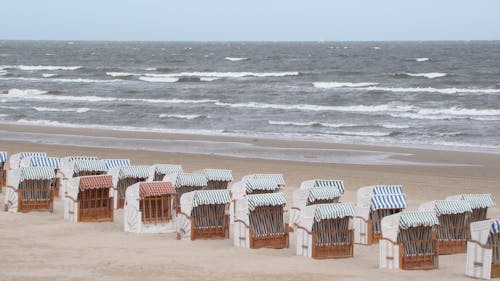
43,246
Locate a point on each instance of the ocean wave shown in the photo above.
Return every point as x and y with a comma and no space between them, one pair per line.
51,109
226,74
208,79
121,74
49,75
39,67
25,92
64,80
50,54
412,90
181,116
327,85
421,59
459,111
312,123
150,68
430,75
3,72
361,134
395,126
234,59
3,115
159,79
312,107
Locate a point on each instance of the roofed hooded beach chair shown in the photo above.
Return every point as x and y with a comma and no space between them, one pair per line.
409,241
116,163
89,168
124,177
259,222
3,171
30,189
483,250
217,178
454,222
89,199
203,214
53,162
478,202
158,172
325,231
67,167
374,203
312,192
149,207
15,159
187,182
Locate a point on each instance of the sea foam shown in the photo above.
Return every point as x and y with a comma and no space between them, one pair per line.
234,59
39,67
327,85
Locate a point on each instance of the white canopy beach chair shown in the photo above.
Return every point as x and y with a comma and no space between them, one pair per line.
3,171
67,166
89,199
409,241
454,222
483,250
158,172
259,222
187,182
326,231
15,159
478,202
203,215
374,203
313,192
217,178
30,189
116,163
52,162
149,208
123,177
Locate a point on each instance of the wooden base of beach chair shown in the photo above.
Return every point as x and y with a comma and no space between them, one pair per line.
420,262
272,242
100,214
333,251
452,247
35,206
495,270
211,232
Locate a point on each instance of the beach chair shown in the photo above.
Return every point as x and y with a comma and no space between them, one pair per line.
217,178
149,207
158,172
454,222
203,215
116,163
89,199
312,192
67,166
259,222
84,167
374,203
187,182
123,177
478,202
52,162
325,231
15,159
3,171
483,250
30,189
409,241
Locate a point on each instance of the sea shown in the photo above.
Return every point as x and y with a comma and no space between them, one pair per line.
413,94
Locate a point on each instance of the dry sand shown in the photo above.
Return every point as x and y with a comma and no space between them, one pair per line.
42,246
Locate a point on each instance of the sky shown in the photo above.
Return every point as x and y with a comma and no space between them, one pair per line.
255,20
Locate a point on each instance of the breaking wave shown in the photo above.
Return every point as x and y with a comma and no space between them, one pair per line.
181,116
327,85
234,59
39,67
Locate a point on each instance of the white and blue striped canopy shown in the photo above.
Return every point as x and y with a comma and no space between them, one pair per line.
278,178
218,174
479,200
323,193
46,162
333,211
448,207
134,172
339,184
37,173
416,219
260,184
387,189
116,163
395,201
32,154
188,179
75,158
3,156
89,165
211,197
266,199
495,226
167,169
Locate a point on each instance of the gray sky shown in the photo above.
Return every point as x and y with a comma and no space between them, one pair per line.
256,20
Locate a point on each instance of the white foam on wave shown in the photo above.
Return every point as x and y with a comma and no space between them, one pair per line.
3,115
376,48
327,85
430,75
40,67
361,134
421,59
63,80
121,74
312,123
25,92
2,72
459,111
150,68
181,116
159,79
51,109
226,74
49,75
208,79
50,54
395,126
235,58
